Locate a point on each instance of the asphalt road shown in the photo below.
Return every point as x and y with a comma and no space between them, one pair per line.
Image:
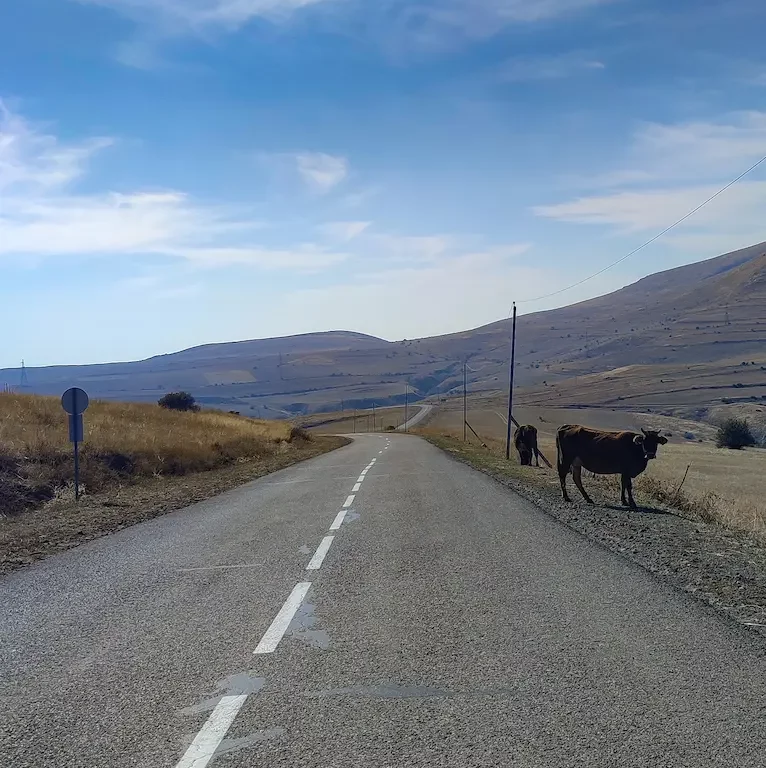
417,418
449,623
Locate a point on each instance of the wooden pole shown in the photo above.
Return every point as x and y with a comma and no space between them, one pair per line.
510,387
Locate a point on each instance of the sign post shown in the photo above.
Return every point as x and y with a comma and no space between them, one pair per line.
75,401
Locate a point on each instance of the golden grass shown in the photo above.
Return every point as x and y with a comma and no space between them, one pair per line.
122,441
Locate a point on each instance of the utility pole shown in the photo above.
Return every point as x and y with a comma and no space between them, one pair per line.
406,397
510,387
465,397
24,380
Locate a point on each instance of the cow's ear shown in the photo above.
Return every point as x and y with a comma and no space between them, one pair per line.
662,440
638,439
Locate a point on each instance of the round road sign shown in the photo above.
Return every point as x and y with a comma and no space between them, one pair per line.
74,401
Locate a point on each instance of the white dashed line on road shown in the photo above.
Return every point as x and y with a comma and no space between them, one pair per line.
202,749
208,740
316,562
338,520
220,567
279,626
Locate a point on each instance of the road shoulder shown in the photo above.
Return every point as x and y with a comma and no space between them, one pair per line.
725,569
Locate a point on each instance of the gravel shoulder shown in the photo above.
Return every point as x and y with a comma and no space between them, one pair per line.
724,568
61,524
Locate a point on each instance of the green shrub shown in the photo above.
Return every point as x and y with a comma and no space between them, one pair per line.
734,433
178,401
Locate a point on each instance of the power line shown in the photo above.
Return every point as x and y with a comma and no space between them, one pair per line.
648,242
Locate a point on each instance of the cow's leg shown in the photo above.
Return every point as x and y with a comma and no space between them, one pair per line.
577,477
624,485
562,464
537,457
629,488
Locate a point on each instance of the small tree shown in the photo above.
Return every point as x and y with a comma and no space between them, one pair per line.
178,401
734,433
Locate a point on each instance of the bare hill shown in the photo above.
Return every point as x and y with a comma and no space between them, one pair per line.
677,339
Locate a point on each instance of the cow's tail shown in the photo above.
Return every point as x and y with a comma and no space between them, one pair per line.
559,453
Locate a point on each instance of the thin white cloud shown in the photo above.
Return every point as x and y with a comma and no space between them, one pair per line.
528,10
634,211
671,170
700,149
42,217
303,259
409,249
197,15
396,24
537,68
34,160
321,172
437,25
344,231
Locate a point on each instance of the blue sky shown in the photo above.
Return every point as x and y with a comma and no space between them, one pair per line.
177,172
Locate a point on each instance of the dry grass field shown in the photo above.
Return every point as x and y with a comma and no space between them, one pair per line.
138,461
723,486
123,441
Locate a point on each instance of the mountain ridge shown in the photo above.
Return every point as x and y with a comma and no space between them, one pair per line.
708,312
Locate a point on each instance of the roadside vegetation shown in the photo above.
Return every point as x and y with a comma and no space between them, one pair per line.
698,482
124,442
178,401
736,434
137,459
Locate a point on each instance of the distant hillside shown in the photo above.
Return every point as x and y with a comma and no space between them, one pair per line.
710,314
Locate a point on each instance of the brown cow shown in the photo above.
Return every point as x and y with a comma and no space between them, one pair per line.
525,440
605,453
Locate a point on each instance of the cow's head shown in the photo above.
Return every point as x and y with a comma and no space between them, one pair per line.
649,441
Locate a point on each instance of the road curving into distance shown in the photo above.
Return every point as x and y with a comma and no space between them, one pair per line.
417,418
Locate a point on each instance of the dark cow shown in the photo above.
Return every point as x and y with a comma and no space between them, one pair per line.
605,453
525,440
